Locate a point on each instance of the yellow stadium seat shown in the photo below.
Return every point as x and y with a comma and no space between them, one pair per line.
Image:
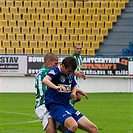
51,44
25,30
69,44
108,11
37,51
42,44
13,10
60,30
48,10
69,17
47,24
19,51
83,51
47,37
8,16
27,50
35,3
38,37
33,44
90,38
55,37
112,18
43,17
65,37
87,4
39,23
104,31
104,17
73,37
52,17
24,44
92,11
7,29
64,51
86,44
96,4
100,11
26,16
117,11
11,37
18,3
66,24
10,50
75,11
5,9
108,24
1,16
104,4
56,24
6,44
22,10
12,23
31,10
83,11
2,3
29,37
87,17
43,30
74,24
78,17
34,30
112,4
2,37
35,17
51,30
99,38
70,4
57,10
4,23
86,31
2,51
17,16
39,10
16,29
79,4
61,4
53,4
83,24
91,52
30,23
20,37
65,11
78,31
55,51
92,24
95,31
46,50
60,44
21,23
1,30
82,37
27,3
44,4
96,17
99,24
95,45
15,44
71,51
69,30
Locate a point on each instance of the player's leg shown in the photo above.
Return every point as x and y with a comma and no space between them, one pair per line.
85,124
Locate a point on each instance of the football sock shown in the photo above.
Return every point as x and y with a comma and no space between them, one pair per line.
68,131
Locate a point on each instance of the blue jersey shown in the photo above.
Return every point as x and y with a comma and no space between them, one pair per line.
58,78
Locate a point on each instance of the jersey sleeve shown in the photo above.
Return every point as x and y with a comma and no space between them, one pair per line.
52,73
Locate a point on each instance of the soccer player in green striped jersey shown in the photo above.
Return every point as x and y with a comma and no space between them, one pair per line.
78,72
50,60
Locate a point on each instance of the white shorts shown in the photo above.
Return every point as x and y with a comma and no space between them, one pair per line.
43,114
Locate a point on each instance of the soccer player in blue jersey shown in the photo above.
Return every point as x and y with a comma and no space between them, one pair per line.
61,86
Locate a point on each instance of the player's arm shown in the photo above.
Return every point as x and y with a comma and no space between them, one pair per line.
80,74
47,81
81,92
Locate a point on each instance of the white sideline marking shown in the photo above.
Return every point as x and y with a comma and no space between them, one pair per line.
34,121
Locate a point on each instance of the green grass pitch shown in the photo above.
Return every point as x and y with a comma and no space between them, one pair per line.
111,112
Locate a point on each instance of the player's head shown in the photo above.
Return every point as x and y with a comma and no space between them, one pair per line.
68,65
50,60
78,48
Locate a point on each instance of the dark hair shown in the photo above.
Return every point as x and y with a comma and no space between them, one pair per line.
50,56
70,62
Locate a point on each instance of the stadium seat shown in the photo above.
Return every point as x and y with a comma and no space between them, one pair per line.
47,37
60,44
64,51
100,24
31,10
82,37
92,11
55,37
121,5
78,31
18,3
39,10
82,24
112,18
61,4
79,4
108,25
73,37
20,37
69,44
104,17
15,44
86,44
71,51
70,4
19,50
4,23
51,30
11,37
51,44
117,11
8,16
99,38
43,17
55,51
47,24
87,4
69,30
95,4
25,30
90,38
65,37
104,31
87,17
95,45
74,11
78,17
42,44
7,29
57,10
2,37
22,10
30,23
113,4
2,51
6,44
52,17
46,50
83,51
37,51
100,11
65,11
35,3
24,44
69,17
33,44
95,31
87,31
60,30
21,23
91,52
61,17
83,11
29,37
43,30
66,24
10,50
16,30
44,4
28,51
56,24
109,11
53,4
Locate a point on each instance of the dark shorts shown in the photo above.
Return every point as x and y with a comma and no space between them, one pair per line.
61,113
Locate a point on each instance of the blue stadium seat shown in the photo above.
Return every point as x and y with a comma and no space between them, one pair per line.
125,51
130,44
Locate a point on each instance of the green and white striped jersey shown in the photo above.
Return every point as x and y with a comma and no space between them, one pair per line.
78,60
40,88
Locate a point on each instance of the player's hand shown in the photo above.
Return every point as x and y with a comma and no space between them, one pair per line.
73,96
61,89
85,95
83,76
